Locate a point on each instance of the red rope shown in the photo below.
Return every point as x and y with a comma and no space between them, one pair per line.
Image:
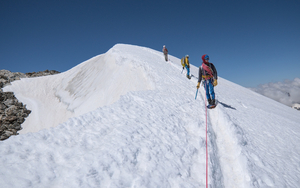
205,85
206,146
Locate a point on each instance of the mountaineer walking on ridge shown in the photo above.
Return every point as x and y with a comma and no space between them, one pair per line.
186,64
165,51
208,72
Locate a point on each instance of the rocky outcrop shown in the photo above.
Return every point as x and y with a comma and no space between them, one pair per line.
41,73
6,77
13,112
12,115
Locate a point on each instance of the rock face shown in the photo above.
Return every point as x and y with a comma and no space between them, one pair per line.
12,112
41,73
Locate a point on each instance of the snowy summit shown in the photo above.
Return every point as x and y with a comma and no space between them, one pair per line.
128,118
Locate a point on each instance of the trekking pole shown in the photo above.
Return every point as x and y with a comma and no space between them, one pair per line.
182,70
196,94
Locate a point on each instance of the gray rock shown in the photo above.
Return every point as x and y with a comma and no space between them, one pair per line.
11,110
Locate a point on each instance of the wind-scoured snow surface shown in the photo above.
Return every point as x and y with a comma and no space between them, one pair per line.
127,118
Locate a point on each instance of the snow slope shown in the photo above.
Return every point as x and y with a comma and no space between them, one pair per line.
127,118
94,83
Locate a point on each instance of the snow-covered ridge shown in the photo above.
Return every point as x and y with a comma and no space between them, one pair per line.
155,136
94,83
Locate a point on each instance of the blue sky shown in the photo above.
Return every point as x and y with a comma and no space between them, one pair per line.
250,42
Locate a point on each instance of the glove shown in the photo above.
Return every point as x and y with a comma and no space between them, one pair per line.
198,85
215,82
182,67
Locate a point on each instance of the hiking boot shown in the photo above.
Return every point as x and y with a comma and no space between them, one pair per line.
209,101
213,102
